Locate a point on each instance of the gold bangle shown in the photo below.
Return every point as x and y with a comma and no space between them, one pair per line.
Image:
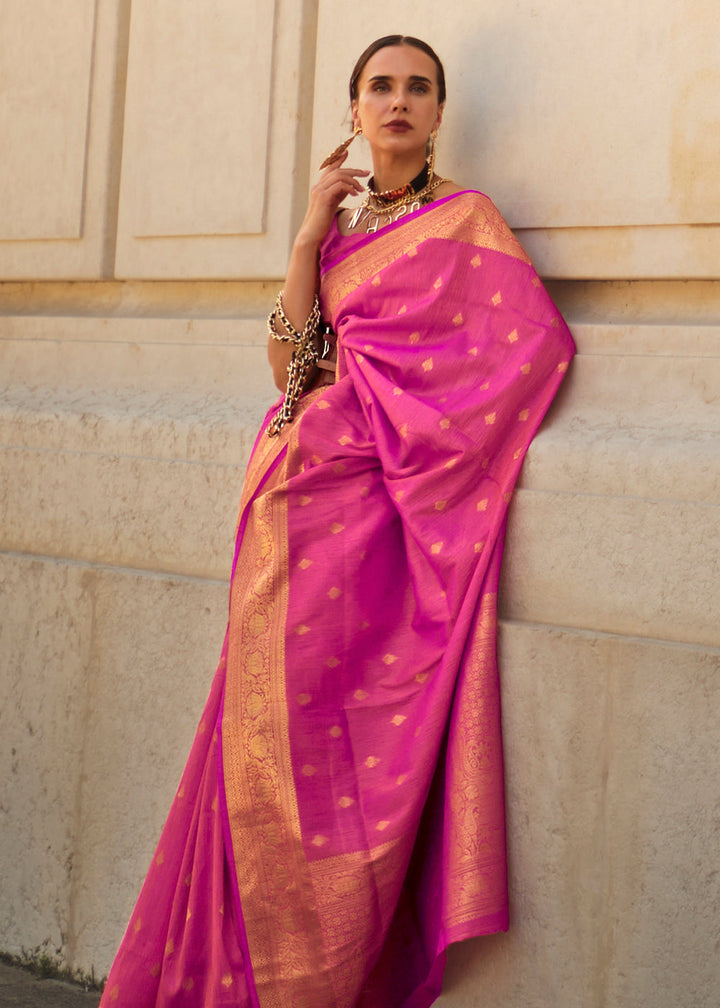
304,358
290,334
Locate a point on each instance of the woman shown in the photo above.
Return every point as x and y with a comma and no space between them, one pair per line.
340,821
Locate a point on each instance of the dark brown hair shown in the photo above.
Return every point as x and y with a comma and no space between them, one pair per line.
396,40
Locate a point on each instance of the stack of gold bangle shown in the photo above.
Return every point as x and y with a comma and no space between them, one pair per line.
303,360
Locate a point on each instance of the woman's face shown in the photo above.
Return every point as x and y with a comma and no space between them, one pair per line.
397,103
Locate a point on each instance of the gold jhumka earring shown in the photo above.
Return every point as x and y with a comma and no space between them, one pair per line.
339,151
431,153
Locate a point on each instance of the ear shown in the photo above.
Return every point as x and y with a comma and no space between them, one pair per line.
441,109
355,116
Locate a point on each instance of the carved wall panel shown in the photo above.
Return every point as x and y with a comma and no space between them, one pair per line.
212,128
57,60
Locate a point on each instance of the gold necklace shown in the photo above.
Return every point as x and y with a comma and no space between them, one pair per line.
376,206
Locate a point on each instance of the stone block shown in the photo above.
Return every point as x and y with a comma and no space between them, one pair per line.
105,673
156,644
125,441
45,645
145,513
623,565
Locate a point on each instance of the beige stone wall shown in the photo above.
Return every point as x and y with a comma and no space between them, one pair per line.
156,160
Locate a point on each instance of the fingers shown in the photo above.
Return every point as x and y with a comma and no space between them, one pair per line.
340,182
348,185
345,176
334,184
336,170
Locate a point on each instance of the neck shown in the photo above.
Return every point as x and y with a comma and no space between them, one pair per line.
391,173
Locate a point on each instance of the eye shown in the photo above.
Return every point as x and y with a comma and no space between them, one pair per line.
380,86
420,88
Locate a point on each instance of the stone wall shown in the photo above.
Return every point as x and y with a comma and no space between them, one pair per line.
157,163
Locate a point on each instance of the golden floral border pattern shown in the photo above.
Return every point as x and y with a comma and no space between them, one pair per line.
356,896
285,944
473,779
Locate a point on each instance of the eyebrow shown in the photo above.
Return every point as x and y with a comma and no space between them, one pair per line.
415,78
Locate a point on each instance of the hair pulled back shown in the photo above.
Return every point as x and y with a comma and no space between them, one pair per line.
396,40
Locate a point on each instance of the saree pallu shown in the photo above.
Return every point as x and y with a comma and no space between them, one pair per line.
340,821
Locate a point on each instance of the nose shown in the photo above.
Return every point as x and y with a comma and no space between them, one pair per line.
400,101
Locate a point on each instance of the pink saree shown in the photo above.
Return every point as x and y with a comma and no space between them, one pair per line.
340,820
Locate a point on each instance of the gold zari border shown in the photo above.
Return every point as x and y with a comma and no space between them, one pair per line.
476,774
469,218
276,891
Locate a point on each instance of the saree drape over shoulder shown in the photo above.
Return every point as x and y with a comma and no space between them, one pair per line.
341,817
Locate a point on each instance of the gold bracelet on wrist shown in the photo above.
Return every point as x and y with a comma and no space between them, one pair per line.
302,362
288,334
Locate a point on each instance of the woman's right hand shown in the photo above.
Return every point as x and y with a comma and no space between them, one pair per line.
334,184
301,281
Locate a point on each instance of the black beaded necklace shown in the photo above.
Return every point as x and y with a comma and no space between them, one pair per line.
383,199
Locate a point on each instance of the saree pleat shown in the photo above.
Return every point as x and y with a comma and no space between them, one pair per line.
361,792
